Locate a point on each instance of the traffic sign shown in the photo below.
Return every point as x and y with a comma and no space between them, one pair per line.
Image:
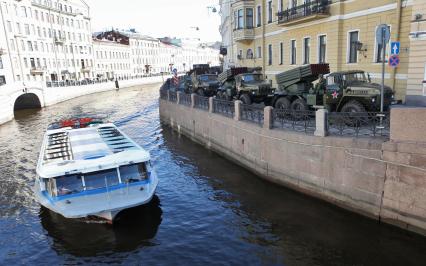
394,60
395,47
382,34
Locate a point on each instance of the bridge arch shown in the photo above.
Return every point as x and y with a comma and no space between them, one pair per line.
28,99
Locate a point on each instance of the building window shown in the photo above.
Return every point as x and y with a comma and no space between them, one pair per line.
281,53
9,26
379,50
1,63
240,55
322,48
240,21
293,52
2,80
249,18
12,44
280,5
269,11
353,53
270,54
249,54
259,52
306,50
259,16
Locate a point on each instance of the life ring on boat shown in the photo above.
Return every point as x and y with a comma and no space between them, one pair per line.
77,123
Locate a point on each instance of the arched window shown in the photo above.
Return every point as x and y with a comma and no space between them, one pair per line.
249,54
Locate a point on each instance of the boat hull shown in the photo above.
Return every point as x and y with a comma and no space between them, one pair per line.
106,204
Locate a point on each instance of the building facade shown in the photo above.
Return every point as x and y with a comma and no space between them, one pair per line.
45,41
282,34
129,54
226,31
51,40
112,59
416,85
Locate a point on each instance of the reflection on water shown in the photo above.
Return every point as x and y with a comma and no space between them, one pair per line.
134,229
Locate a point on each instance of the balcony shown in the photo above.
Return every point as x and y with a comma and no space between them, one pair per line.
315,9
241,35
59,40
37,70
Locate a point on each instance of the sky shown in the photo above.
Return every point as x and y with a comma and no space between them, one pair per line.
158,18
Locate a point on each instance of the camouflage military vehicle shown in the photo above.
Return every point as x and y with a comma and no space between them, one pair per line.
247,85
203,80
347,91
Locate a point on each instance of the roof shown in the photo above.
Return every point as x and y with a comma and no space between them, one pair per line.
83,150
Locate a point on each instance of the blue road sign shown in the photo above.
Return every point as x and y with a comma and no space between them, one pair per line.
395,47
394,60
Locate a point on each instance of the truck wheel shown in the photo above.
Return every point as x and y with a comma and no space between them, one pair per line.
353,107
200,92
282,103
299,105
245,99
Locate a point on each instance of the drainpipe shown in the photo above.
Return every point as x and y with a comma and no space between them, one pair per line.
263,37
397,39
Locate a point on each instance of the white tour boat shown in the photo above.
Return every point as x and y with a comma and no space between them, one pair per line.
88,168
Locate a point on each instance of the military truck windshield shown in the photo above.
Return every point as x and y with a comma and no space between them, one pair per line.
355,77
252,78
208,78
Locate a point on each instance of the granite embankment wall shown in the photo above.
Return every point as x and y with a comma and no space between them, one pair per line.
53,95
385,180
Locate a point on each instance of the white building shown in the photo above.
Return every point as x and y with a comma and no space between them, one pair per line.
112,59
52,40
148,55
45,40
182,54
226,31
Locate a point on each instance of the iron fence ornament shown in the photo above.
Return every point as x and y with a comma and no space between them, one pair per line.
223,107
252,113
300,121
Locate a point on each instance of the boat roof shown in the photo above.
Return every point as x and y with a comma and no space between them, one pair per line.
97,147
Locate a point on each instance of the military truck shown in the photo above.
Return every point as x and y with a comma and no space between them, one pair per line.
346,91
245,84
203,80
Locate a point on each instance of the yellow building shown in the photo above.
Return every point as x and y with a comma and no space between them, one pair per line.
281,34
416,84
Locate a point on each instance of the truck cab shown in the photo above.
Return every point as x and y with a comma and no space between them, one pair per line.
248,86
206,84
353,91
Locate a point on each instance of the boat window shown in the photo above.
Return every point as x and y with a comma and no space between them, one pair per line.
101,179
133,173
69,184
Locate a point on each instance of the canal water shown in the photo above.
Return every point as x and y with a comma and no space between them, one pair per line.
207,210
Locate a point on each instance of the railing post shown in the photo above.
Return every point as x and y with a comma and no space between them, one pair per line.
178,97
211,105
268,120
321,123
168,95
237,116
193,99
